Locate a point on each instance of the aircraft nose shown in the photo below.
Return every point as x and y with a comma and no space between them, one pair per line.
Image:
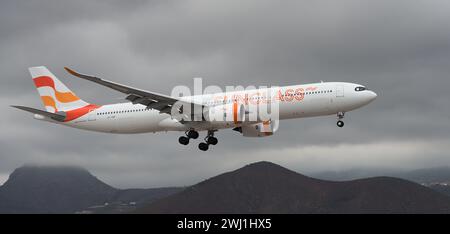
372,95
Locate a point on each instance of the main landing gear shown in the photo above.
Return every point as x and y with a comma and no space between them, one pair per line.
209,140
340,116
191,134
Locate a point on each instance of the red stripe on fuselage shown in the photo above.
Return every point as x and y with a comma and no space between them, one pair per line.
77,113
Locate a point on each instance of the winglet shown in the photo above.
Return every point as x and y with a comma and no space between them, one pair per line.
72,72
86,77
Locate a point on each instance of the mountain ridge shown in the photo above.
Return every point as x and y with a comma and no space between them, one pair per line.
260,187
66,189
423,175
264,187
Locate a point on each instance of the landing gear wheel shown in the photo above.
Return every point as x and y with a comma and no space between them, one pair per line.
203,146
212,140
183,140
340,116
192,134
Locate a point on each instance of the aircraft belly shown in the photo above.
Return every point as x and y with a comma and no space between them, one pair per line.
140,123
307,108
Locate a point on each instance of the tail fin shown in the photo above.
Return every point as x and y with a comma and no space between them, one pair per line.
54,94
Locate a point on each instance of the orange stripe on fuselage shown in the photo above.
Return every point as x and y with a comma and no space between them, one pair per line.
46,81
235,114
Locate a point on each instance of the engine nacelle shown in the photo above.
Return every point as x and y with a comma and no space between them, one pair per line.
232,112
266,128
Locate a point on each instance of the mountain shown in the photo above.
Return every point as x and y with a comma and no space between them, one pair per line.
261,187
265,187
34,189
425,176
443,188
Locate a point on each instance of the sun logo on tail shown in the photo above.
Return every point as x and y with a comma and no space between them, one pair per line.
54,94
49,100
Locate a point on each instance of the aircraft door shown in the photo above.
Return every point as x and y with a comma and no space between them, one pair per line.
92,116
339,91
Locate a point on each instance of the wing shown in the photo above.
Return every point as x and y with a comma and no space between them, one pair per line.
152,100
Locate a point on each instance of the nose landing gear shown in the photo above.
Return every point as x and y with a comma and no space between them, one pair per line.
340,116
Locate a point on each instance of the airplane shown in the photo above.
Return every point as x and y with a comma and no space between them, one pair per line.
147,111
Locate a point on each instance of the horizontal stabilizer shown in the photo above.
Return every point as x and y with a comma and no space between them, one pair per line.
54,116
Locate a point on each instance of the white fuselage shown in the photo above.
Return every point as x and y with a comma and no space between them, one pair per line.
317,99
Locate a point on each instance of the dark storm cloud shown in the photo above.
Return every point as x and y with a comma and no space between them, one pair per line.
400,49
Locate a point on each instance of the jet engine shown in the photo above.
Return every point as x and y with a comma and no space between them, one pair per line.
263,129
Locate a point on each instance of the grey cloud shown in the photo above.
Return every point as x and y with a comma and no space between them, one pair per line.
400,49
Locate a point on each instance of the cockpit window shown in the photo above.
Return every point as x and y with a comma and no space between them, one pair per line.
360,88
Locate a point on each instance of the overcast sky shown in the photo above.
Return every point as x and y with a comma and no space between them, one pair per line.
399,49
